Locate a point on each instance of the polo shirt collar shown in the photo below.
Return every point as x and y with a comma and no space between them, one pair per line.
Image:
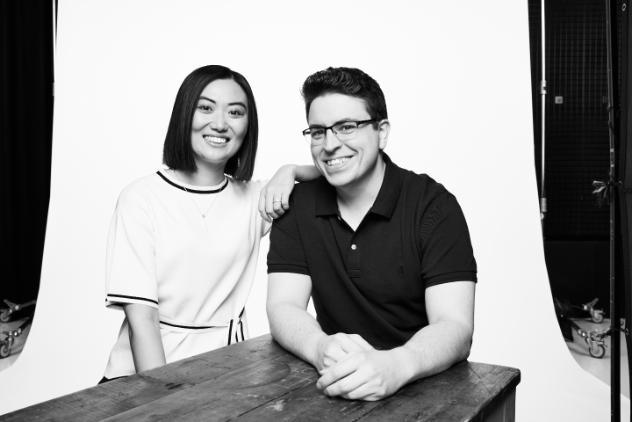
384,205
326,203
388,195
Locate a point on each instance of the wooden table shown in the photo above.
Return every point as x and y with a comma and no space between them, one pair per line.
259,381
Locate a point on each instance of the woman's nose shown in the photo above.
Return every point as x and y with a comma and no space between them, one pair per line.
218,123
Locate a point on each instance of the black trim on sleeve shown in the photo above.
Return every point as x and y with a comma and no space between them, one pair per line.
133,297
221,188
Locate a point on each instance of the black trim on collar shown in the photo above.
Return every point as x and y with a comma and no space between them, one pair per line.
172,183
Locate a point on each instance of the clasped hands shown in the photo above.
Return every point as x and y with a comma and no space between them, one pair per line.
351,368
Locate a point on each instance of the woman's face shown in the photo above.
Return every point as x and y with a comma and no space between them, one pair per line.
220,123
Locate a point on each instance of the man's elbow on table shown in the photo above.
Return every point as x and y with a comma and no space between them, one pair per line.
463,333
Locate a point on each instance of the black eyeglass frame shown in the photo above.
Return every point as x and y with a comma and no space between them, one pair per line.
307,132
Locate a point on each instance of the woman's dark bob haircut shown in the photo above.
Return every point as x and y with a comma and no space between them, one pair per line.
178,153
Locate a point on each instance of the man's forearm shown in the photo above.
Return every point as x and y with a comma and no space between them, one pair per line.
375,374
434,348
296,330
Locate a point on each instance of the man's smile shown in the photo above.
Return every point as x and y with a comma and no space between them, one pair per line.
337,162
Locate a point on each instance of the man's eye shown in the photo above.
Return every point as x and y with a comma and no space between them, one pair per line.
346,127
317,132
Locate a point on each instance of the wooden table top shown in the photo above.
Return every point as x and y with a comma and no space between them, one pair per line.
257,380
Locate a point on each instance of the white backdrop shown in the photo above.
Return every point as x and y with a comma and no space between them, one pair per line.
457,83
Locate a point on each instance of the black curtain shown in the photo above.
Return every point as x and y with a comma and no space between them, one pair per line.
576,226
623,129
26,116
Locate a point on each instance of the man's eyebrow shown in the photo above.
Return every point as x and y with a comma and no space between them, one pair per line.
239,103
346,119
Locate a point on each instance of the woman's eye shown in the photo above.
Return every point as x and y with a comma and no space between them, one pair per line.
205,107
237,113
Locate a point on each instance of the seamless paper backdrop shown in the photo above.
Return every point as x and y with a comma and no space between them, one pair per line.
457,84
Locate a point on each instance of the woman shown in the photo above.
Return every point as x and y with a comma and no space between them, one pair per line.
184,241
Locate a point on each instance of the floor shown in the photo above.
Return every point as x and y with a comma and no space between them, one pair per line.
600,367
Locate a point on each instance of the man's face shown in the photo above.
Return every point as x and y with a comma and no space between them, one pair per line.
351,163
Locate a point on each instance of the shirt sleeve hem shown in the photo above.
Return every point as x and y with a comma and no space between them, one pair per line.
118,300
285,268
450,277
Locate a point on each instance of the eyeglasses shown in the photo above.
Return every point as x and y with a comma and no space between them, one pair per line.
344,131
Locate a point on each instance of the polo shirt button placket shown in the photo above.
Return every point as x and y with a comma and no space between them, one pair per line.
354,261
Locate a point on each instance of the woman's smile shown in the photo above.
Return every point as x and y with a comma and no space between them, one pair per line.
215,140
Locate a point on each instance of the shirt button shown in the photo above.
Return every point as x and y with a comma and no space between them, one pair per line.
354,247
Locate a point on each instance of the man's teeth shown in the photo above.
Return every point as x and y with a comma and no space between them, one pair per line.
337,161
215,139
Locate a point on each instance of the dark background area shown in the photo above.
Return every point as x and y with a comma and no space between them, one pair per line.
576,226
26,116
623,96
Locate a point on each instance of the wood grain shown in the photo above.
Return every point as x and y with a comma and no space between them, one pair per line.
259,381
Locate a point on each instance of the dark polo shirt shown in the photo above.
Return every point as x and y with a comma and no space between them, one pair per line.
372,281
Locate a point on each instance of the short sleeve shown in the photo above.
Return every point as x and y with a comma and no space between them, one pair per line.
130,253
286,254
446,249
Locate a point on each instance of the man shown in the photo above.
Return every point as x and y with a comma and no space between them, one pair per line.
384,253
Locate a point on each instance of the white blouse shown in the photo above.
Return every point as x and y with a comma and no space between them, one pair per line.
189,251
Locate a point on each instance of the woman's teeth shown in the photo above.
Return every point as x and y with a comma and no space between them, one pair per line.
215,140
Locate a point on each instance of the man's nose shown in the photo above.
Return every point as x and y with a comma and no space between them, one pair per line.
331,141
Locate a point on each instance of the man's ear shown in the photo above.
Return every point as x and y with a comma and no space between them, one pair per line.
383,129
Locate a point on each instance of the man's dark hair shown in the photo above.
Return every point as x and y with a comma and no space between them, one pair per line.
348,81
178,153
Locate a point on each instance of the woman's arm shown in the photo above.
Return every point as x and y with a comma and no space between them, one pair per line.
305,173
144,336
275,195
